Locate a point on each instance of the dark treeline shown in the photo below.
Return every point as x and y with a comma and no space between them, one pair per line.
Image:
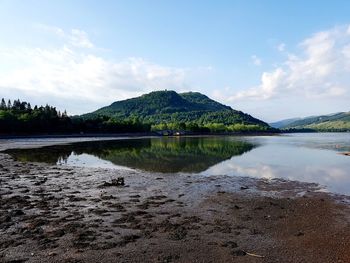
21,118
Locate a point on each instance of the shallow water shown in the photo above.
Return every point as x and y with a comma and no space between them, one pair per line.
310,158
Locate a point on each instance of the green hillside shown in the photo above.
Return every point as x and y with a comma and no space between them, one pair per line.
333,122
169,107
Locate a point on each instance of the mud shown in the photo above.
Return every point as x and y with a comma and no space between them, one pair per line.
68,214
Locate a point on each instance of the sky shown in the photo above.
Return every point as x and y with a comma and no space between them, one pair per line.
271,59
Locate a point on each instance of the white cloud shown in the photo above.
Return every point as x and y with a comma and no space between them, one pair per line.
74,37
72,75
281,47
65,73
270,82
256,60
80,38
53,29
320,70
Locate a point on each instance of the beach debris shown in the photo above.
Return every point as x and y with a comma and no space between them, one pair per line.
118,182
299,234
244,187
253,255
114,182
240,253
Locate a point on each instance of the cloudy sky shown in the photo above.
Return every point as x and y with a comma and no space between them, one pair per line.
272,59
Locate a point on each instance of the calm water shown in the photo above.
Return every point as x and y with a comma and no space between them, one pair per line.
302,157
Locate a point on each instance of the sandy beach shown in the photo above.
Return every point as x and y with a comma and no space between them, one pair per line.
52,213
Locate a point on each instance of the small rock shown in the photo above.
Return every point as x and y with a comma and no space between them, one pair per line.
299,234
230,244
239,253
17,212
118,182
115,182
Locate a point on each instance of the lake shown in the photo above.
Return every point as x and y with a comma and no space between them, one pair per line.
312,157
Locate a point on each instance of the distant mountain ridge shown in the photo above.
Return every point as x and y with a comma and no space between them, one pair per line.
332,122
283,123
169,106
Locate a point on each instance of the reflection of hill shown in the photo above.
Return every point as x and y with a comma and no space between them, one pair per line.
177,154
159,155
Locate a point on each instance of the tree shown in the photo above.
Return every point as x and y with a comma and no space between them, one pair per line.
16,105
3,104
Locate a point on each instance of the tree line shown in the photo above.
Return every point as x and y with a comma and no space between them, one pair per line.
19,117
209,127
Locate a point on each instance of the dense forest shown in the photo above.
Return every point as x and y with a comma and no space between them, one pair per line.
21,118
202,116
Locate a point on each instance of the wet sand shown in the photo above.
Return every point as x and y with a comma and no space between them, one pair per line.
68,214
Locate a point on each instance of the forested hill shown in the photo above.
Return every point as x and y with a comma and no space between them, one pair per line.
162,110
161,102
161,107
333,122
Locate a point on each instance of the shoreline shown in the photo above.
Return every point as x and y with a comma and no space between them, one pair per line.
52,213
88,135
122,135
44,141
155,134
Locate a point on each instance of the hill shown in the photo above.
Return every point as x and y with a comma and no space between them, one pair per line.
283,123
166,107
332,122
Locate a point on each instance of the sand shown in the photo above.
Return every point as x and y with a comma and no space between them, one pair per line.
69,214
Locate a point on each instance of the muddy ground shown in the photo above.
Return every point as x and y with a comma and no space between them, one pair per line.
67,214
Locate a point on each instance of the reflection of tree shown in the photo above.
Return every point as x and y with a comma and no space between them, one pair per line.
51,155
157,154
178,155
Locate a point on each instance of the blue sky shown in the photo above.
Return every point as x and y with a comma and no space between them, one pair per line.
272,59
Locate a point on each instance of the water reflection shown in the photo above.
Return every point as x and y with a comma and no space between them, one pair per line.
170,155
306,158
303,157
